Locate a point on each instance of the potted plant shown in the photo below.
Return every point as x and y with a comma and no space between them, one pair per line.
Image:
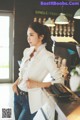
75,78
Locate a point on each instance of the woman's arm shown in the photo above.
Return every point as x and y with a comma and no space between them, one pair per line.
37,84
54,71
14,86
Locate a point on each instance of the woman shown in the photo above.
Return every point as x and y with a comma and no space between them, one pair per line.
37,62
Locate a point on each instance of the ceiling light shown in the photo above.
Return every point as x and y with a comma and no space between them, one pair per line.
49,23
77,14
61,19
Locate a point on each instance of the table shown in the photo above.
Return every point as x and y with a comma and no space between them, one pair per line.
66,109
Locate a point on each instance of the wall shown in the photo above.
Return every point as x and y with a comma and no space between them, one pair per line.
23,16
7,5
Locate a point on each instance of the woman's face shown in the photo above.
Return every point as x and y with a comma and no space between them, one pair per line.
33,38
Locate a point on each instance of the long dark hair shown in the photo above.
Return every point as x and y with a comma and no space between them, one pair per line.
41,29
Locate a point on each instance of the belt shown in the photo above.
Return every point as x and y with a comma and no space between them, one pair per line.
22,92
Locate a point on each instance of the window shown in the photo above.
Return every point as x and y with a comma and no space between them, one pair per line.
6,47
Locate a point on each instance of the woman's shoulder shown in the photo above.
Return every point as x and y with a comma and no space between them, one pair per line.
49,54
28,50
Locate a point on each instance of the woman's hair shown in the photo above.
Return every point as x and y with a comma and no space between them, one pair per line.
41,29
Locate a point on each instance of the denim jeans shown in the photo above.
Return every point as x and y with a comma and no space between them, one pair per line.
21,108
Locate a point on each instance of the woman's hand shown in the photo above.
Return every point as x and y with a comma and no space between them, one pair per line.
14,87
37,84
31,84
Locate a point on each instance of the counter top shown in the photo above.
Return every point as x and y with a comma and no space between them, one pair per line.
66,109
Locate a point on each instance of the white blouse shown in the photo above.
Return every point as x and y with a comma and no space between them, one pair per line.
42,63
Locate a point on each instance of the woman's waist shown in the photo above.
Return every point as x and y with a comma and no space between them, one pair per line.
23,86
21,92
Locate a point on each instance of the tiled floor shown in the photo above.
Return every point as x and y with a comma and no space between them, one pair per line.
6,100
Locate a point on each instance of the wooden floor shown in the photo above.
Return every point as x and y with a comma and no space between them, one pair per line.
6,102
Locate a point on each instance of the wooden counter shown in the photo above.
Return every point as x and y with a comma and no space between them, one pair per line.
66,109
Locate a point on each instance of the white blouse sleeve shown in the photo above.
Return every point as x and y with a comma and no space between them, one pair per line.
54,70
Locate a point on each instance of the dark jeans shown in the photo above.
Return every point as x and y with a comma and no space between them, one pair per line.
21,108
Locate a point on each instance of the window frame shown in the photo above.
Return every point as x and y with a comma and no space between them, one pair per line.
11,47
